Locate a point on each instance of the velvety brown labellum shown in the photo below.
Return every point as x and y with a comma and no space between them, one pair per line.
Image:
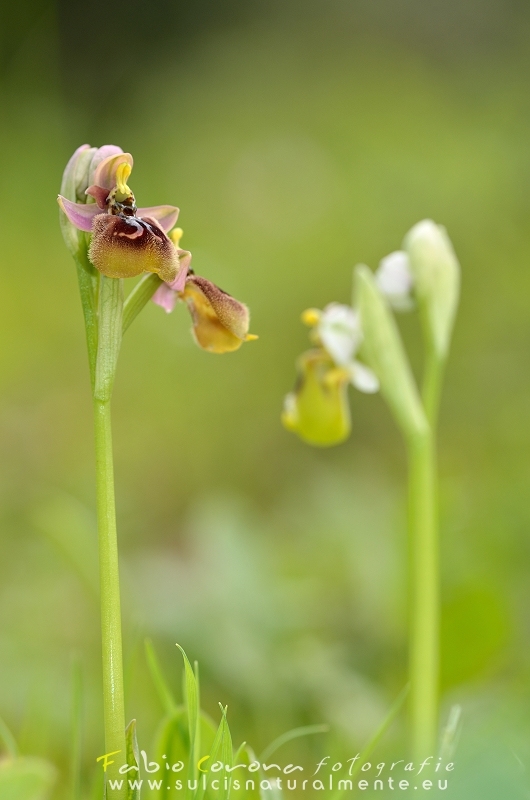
123,247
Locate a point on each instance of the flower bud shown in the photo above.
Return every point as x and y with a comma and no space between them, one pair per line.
73,185
317,410
75,176
436,274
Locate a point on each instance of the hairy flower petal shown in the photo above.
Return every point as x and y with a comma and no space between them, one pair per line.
79,214
123,247
220,322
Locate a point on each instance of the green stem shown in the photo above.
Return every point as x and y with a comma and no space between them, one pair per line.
110,309
424,598
424,647
113,695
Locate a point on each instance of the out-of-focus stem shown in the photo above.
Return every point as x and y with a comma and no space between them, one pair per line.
424,648
424,597
432,384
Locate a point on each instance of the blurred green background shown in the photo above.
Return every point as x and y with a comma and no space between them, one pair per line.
298,139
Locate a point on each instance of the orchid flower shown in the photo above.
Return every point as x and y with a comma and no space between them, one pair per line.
317,410
126,240
220,322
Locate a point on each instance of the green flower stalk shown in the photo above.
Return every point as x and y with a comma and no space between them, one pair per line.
425,273
111,239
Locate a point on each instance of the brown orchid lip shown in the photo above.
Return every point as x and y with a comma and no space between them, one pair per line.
139,225
124,246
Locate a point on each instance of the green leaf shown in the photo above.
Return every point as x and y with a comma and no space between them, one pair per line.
109,336
133,759
172,741
26,779
383,351
163,690
192,705
222,751
139,297
436,274
88,279
226,754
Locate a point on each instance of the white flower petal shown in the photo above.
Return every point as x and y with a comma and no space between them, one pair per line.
363,378
394,279
339,330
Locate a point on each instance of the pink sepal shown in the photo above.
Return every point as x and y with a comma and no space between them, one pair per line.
79,214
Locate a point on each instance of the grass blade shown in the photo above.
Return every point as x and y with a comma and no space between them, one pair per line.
295,733
221,750
162,689
451,733
133,759
192,705
378,735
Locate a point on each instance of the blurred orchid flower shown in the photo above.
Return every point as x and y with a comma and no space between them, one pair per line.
395,280
317,410
338,330
126,240
220,322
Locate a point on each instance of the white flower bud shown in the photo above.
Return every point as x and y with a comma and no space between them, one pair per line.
436,273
